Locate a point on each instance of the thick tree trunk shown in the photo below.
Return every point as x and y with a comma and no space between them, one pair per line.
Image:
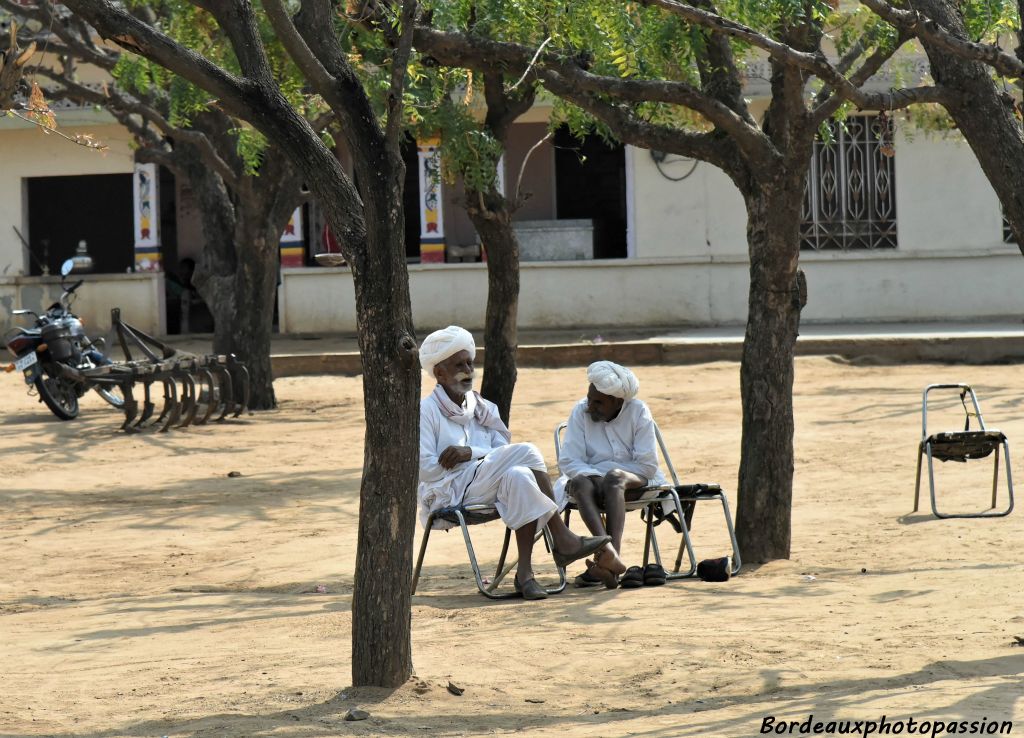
984,115
236,274
777,293
382,594
492,219
243,306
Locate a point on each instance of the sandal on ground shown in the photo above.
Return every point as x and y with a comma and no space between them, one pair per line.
530,589
588,544
654,575
607,577
586,579
633,578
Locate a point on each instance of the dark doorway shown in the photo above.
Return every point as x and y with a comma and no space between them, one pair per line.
590,178
411,199
96,208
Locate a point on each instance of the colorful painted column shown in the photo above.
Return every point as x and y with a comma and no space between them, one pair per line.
147,218
431,215
293,245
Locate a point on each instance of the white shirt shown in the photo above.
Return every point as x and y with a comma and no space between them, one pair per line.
438,486
626,442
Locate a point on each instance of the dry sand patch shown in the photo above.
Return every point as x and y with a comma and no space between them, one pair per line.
144,592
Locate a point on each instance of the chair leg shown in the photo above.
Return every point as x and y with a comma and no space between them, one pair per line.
931,481
504,552
917,484
995,486
684,545
995,479
648,535
423,551
737,562
1009,477
476,567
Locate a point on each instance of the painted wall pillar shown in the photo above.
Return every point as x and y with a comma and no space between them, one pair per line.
431,214
146,198
293,245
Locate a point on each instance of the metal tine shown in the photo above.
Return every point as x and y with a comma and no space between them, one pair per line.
227,393
170,399
243,403
211,395
172,407
147,406
189,401
131,407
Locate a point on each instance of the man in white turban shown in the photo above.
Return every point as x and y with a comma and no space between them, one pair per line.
607,453
466,458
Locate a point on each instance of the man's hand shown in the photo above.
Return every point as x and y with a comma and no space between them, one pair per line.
454,455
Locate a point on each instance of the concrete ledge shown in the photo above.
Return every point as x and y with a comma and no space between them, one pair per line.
902,349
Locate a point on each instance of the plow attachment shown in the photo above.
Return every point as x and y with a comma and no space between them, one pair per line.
188,388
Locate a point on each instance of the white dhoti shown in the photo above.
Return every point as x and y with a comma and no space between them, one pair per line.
504,478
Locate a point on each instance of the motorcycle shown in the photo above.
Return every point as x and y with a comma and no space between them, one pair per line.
57,341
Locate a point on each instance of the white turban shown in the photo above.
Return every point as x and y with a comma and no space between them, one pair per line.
609,378
443,344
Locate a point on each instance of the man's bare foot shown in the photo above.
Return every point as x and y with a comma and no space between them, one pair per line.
608,558
608,579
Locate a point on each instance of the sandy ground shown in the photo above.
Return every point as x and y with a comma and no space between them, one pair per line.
143,592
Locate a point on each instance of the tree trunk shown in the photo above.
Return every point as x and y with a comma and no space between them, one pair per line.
243,306
492,219
382,593
777,293
984,115
236,275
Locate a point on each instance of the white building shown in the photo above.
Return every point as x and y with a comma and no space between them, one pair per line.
650,240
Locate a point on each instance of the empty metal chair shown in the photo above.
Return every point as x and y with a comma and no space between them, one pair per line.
683,497
962,446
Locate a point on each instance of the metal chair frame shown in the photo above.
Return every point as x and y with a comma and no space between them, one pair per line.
678,494
928,444
466,515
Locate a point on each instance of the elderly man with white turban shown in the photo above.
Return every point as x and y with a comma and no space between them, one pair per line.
607,452
466,458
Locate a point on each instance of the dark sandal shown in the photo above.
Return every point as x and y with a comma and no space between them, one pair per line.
654,575
588,545
633,578
530,589
586,579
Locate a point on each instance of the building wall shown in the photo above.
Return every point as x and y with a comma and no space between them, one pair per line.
140,297
25,151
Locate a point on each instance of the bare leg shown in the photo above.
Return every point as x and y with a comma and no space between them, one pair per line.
614,486
585,492
524,544
566,542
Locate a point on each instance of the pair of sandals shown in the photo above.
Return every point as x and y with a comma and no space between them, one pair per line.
652,575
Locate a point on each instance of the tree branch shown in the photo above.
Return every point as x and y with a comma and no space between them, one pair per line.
399,62
928,30
112,21
464,50
115,100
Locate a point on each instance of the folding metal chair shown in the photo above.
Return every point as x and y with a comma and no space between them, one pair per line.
465,516
961,446
676,494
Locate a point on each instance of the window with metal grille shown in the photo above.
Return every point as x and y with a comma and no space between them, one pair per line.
850,198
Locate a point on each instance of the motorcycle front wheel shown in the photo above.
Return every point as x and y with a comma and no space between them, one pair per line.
60,395
112,395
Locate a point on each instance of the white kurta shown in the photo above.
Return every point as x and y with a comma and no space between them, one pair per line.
592,448
499,473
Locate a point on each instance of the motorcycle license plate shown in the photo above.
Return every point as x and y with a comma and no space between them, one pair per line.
26,361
